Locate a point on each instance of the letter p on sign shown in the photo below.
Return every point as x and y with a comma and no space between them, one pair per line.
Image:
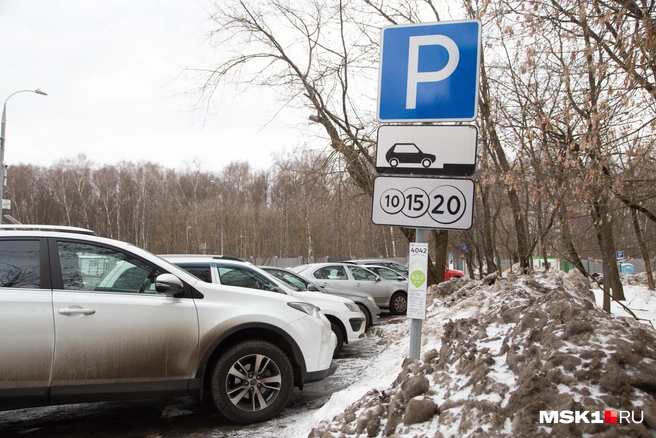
429,72
415,76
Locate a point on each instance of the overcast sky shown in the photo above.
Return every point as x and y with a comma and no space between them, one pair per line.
109,68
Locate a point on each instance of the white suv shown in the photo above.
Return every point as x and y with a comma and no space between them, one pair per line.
346,319
84,318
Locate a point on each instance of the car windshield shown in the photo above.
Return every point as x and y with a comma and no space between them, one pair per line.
289,278
387,274
399,268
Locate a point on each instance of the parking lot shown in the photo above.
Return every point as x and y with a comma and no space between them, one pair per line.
186,416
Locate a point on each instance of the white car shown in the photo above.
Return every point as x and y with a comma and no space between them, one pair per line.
346,319
388,294
84,319
364,301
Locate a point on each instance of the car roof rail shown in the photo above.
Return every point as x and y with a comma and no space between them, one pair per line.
60,228
202,256
227,257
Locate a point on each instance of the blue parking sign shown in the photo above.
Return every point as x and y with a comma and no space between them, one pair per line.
429,72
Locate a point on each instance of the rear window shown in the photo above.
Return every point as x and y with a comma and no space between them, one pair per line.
202,271
243,277
20,264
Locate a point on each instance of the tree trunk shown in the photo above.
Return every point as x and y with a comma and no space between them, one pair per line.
607,245
501,162
488,245
571,250
441,241
606,286
643,249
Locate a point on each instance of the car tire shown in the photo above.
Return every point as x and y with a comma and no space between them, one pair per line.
340,339
399,304
393,162
426,162
265,391
367,316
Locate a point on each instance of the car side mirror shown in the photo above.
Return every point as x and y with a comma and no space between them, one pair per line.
168,284
400,278
313,288
378,278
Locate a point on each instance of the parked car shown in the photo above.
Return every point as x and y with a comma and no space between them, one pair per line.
387,273
402,269
398,267
453,273
346,320
390,295
86,319
365,302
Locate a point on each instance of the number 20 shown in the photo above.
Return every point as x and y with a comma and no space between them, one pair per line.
451,208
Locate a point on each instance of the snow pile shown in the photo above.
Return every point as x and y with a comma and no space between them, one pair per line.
635,279
498,351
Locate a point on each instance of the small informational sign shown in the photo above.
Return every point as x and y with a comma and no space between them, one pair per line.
438,203
6,204
417,280
426,150
620,255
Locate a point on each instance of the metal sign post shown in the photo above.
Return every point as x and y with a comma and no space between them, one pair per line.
421,236
428,73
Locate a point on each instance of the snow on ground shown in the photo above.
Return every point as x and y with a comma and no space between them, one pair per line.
640,300
495,353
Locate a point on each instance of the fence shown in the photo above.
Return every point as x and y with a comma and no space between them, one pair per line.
592,266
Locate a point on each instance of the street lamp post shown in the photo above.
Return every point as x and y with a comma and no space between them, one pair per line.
2,142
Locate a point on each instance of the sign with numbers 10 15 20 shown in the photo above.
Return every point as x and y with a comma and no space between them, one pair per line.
423,202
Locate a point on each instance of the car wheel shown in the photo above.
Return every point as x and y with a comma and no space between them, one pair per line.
398,303
367,317
340,339
394,162
426,162
252,382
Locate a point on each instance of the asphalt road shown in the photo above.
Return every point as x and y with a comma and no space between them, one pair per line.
182,416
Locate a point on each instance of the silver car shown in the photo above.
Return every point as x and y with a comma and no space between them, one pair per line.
365,301
84,319
387,273
390,295
391,264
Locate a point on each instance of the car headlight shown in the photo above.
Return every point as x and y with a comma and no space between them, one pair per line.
371,299
308,308
352,307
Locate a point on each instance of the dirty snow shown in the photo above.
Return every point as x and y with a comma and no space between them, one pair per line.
496,352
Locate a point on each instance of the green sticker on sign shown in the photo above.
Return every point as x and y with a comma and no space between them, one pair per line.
417,278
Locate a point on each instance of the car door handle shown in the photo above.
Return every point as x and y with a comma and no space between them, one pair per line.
75,311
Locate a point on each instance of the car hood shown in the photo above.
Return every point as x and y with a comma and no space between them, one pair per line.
322,300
